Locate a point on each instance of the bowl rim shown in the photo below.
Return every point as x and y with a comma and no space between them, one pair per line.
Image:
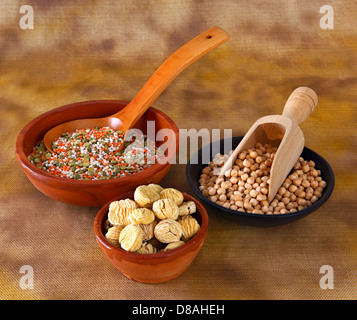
100,219
40,174
314,206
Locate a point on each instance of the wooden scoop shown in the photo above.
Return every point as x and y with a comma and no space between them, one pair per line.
159,81
282,131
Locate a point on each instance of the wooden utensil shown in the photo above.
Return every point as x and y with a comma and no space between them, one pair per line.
282,131
159,81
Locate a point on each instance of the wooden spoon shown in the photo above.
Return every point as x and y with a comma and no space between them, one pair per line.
282,131
159,81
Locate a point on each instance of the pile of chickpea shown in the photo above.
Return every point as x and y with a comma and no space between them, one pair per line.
245,187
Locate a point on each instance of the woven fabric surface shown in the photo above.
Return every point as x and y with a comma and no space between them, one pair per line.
80,50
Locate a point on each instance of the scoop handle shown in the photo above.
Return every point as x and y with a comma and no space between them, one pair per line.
300,104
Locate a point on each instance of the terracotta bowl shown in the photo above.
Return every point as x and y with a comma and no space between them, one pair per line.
83,192
195,166
156,267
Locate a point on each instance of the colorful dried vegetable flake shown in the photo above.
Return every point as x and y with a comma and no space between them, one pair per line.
93,154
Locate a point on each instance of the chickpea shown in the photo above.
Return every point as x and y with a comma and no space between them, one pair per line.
257,211
285,200
237,197
246,163
289,206
314,199
254,202
277,210
281,190
265,209
227,174
242,155
246,170
253,193
314,173
223,198
261,197
253,167
207,170
248,186
253,154
260,159
308,195
264,190
264,203
247,206
300,194
297,165
305,183
322,183
281,204
268,162
226,184
314,184
318,194
309,190
205,193
204,176
311,163
212,191
301,202
286,184
233,180
239,204
287,194
234,173
274,203
254,175
219,180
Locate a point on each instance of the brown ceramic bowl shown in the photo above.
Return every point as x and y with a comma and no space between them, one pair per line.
156,267
82,192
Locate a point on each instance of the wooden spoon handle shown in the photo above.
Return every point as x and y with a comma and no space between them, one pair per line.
300,104
169,70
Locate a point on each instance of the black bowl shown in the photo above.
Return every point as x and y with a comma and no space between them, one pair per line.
196,165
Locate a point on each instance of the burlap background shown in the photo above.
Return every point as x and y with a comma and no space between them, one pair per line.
84,50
